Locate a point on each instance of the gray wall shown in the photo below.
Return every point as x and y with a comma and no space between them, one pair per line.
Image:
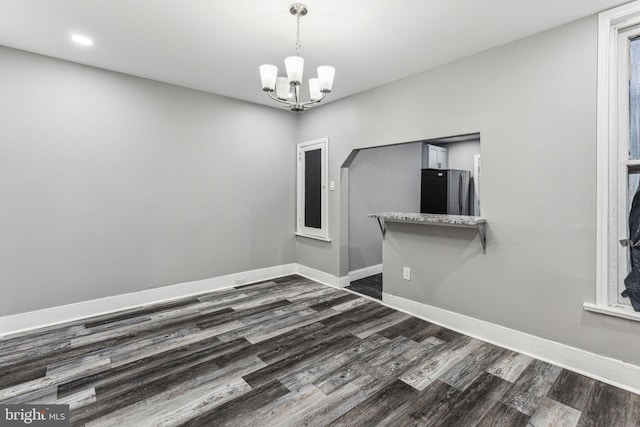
461,154
111,184
534,103
380,179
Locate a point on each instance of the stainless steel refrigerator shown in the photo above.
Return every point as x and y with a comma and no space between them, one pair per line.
445,191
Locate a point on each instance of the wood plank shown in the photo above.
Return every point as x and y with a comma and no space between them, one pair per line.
286,344
464,373
296,278
610,406
329,303
282,412
128,405
278,308
340,375
289,364
572,389
217,303
361,313
344,397
633,409
21,375
119,358
531,387
316,297
412,328
162,363
331,361
366,362
442,333
75,400
275,295
502,415
245,316
430,405
553,413
142,311
346,306
140,329
510,366
375,407
43,391
373,326
476,401
264,332
437,364
229,412
31,339
340,401
172,408
288,321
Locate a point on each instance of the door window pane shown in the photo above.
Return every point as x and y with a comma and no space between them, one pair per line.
313,188
634,99
312,198
632,187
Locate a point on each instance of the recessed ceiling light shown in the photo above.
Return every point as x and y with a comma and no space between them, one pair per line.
83,40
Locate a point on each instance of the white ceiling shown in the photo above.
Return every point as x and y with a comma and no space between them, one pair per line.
217,46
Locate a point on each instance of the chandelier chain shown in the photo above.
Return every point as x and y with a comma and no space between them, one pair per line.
298,35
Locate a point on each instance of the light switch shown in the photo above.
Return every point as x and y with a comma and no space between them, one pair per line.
332,185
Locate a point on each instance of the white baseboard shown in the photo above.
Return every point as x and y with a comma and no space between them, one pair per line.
365,272
344,282
67,313
601,368
322,277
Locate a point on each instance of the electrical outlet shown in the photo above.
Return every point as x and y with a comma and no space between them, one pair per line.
406,273
241,281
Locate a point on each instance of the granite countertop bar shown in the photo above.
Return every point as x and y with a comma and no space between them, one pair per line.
434,219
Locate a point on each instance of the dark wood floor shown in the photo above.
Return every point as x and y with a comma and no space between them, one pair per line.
293,352
370,286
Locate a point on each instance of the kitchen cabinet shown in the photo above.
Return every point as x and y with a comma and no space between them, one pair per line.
434,157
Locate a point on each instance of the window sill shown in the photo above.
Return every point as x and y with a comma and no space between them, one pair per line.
625,313
308,236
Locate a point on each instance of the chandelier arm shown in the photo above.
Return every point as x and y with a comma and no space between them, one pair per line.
304,104
312,103
287,103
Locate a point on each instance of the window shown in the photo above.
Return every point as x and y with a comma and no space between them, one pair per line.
312,210
618,173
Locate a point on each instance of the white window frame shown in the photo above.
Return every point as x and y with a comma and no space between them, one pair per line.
612,159
313,233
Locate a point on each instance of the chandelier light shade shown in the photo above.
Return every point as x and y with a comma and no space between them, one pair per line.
286,90
294,66
314,89
325,77
282,88
268,74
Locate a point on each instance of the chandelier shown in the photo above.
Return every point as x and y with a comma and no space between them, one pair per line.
287,89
